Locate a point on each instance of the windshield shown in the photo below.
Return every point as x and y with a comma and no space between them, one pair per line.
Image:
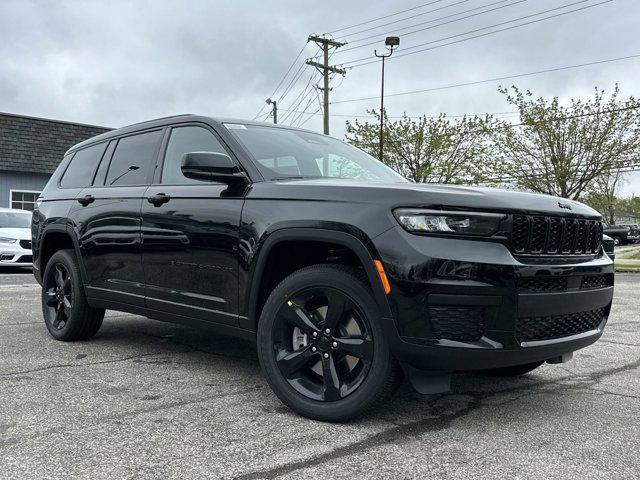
15,220
281,153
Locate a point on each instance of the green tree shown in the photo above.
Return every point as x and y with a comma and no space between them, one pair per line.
428,149
627,207
602,195
562,150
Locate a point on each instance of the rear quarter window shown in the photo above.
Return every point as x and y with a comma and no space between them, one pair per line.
83,165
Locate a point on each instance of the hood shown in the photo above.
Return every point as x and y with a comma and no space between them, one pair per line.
423,195
19,233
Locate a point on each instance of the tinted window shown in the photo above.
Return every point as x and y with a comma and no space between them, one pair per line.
104,164
184,140
282,153
80,171
133,159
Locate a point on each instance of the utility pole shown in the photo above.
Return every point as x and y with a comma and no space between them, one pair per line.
324,68
274,110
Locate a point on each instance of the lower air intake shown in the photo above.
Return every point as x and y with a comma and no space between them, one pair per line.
462,324
558,326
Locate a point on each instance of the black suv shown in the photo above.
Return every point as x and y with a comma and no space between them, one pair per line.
622,234
346,275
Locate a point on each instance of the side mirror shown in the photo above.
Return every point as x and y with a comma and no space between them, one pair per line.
212,166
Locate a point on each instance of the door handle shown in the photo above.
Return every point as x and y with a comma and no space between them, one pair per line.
86,200
158,199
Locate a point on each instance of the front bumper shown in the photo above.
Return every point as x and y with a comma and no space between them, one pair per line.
470,305
14,255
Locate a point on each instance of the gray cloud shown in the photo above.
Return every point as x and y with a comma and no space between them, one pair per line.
114,63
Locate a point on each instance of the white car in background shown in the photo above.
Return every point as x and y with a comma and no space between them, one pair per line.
15,238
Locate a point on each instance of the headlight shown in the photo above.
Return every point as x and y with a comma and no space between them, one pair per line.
8,240
457,223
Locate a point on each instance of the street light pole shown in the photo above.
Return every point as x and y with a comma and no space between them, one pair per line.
274,110
390,43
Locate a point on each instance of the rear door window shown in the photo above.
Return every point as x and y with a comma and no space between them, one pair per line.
83,165
134,159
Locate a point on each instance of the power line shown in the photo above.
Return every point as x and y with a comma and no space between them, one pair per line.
369,61
385,16
319,109
283,78
296,117
320,105
412,17
317,112
301,120
522,124
407,116
301,96
434,26
538,173
292,82
580,115
568,117
489,80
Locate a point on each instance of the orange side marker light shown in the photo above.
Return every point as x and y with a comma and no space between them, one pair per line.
383,276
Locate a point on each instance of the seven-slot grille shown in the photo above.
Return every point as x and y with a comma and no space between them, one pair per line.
540,235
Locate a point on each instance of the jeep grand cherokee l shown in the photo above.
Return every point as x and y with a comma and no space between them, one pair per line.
345,274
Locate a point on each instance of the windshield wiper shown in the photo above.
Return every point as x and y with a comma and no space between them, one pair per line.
295,177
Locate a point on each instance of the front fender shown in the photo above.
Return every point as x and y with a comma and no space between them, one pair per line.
352,238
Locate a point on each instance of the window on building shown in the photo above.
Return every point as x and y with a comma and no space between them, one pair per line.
23,200
134,159
83,165
184,140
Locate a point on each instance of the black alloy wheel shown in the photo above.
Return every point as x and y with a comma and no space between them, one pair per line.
322,346
67,314
323,343
59,297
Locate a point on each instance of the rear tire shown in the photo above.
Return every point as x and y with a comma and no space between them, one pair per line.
67,315
328,384
514,371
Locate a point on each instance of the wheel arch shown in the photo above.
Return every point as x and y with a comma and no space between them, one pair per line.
55,238
363,250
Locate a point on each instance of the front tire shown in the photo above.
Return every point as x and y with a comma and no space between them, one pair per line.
321,345
67,315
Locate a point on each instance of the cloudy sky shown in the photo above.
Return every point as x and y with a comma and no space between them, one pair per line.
114,63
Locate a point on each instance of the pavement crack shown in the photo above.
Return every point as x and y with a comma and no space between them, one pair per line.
177,403
75,365
20,323
613,342
392,435
609,392
432,423
194,348
97,420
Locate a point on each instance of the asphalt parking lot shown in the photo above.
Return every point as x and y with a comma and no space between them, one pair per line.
145,399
